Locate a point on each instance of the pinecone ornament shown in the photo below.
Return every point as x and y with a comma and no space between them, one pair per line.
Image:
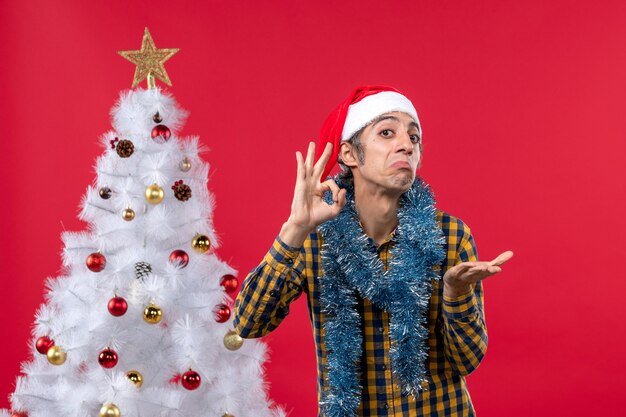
142,270
125,148
181,190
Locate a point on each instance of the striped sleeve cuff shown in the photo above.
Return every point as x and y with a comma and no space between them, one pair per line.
461,308
281,256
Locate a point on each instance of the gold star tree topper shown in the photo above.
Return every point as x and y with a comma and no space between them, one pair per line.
149,61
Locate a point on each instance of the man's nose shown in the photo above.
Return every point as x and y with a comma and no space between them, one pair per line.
406,145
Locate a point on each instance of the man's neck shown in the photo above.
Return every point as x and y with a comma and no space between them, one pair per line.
378,213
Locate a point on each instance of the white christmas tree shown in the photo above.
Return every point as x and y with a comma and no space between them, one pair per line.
139,322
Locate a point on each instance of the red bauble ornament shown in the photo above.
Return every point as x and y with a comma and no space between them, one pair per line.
19,414
96,262
43,344
117,306
222,313
230,283
179,257
107,358
161,132
191,380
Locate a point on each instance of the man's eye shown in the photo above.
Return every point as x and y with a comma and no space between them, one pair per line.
415,139
386,133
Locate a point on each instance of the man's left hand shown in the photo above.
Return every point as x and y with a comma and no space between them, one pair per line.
460,279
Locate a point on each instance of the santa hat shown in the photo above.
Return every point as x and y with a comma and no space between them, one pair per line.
360,108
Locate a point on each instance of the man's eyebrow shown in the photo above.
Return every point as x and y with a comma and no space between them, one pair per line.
395,119
384,117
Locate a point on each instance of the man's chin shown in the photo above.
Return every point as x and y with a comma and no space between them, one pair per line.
403,183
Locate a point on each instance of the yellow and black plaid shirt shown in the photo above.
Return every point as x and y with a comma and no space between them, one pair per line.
458,336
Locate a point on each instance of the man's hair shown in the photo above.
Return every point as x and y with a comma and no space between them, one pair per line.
357,147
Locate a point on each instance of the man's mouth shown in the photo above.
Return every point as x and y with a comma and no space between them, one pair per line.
402,165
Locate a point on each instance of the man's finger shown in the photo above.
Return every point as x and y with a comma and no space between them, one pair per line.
334,188
300,161
502,258
490,269
485,268
321,163
495,269
310,156
465,265
341,198
341,201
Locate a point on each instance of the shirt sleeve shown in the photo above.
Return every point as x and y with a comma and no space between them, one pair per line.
465,333
264,299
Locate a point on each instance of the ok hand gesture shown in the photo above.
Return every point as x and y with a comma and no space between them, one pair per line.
308,209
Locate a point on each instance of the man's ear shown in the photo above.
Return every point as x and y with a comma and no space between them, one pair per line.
347,155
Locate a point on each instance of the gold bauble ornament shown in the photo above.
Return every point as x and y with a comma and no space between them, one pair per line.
56,355
152,314
232,341
128,214
201,243
185,164
227,415
135,377
110,410
154,194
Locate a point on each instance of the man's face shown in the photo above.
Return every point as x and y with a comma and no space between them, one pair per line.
391,146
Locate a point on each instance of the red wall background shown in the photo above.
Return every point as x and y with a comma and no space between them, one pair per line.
522,105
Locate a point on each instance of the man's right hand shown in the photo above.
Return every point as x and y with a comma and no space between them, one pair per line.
308,209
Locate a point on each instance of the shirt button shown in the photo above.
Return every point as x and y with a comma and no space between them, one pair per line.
380,330
386,406
273,293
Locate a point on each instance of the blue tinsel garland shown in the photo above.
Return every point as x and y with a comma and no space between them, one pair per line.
404,290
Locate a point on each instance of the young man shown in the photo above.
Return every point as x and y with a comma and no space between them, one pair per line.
393,285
